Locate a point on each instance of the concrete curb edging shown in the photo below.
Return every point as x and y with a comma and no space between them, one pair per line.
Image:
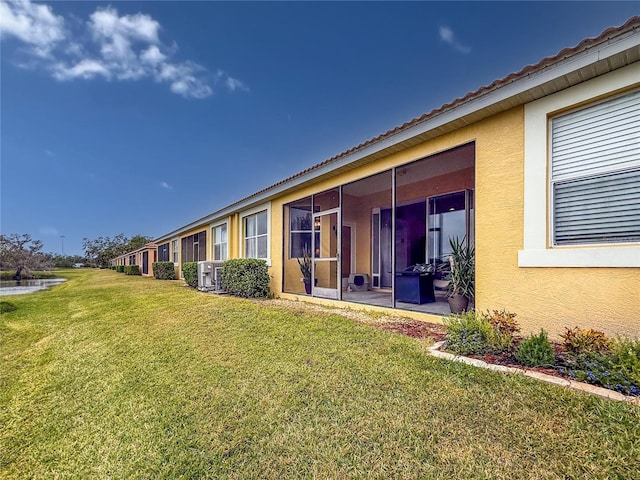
435,351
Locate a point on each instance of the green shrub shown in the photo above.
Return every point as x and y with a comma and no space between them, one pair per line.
472,333
132,270
6,307
246,277
120,268
536,351
190,273
617,368
577,340
164,270
468,333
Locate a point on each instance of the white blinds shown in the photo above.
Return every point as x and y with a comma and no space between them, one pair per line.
600,209
596,173
598,138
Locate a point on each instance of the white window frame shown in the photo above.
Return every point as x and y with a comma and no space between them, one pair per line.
538,251
214,241
175,251
241,231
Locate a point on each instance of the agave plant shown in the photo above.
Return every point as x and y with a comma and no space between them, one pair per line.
305,264
463,268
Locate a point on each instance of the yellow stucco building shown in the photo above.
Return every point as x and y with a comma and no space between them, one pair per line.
539,171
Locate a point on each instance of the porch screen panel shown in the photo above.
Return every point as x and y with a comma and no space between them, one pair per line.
194,247
186,254
595,166
375,239
163,252
297,227
202,246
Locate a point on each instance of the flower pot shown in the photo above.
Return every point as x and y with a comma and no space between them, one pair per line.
307,285
458,303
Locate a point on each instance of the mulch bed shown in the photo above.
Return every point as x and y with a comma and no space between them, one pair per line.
437,333
414,329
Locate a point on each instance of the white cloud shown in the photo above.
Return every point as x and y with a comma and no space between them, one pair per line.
166,186
49,153
119,47
234,84
34,24
86,69
153,55
447,36
105,24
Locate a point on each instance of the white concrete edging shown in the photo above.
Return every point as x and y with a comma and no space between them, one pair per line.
435,351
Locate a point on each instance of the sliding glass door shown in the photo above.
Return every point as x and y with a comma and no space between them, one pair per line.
450,216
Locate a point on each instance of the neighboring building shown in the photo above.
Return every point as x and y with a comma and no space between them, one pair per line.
144,257
540,170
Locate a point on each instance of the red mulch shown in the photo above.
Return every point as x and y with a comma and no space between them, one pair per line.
415,329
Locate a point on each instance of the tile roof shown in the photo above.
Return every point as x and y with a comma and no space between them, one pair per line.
631,24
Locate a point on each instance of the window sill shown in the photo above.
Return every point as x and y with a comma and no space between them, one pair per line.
587,257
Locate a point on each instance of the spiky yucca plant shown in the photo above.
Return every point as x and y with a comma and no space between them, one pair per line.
463,268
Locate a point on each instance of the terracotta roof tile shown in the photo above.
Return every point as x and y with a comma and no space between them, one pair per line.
633,22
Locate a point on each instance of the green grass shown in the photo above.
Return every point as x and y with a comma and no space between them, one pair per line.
107,376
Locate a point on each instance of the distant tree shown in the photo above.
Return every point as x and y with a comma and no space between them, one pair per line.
22,254
100,251
67,261
136,242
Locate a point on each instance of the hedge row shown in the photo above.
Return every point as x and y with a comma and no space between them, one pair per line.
190,272
243,277
132,270
164,270
246,277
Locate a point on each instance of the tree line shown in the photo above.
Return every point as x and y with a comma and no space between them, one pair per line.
22,254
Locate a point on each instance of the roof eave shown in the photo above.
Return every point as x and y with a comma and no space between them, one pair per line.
573,62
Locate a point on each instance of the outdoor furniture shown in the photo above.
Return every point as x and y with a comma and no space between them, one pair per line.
415,285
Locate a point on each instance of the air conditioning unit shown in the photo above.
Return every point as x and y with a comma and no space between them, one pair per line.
206,276
217,277
210,276
358,282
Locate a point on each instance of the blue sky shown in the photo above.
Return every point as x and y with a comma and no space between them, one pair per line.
140,117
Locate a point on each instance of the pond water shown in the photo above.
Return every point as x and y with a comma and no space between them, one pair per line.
12,287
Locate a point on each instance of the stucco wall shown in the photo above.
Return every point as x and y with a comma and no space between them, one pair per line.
551,298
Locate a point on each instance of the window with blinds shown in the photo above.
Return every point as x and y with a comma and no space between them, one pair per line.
595,173
220,242
256,236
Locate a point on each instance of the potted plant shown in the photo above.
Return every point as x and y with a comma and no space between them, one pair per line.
305,268
462,276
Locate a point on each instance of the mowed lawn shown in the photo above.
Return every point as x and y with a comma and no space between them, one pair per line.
109,376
